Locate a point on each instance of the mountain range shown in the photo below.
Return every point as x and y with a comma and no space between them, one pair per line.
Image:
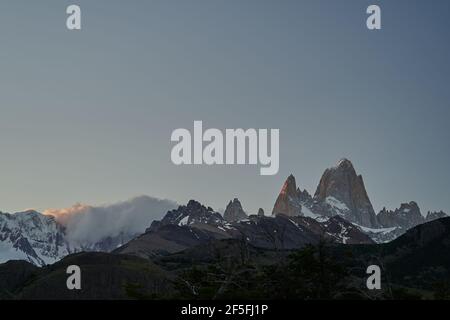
340,211
414,266
43,239
341,192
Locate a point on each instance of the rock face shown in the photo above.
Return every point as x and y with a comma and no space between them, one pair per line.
234,211
192,213
32,237
406,217
435,215
288,202
260,212
340,211
182,228
42,239
342,191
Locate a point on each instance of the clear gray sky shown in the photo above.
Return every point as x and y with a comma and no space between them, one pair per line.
87,116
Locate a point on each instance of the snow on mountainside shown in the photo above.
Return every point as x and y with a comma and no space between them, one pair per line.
46,238
382,235
341,193
340,211
33,237
234,211
195,224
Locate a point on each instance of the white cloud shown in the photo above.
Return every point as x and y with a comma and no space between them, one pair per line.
88,224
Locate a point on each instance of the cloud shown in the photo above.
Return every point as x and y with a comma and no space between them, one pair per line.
89,224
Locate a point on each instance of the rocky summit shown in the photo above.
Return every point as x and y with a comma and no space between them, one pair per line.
182,228
234,211
192,213
433,215
288,202
261,212
417,263
407,216
342,191
340,211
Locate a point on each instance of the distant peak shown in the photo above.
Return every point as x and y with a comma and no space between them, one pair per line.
289,186
30,212
261,212
287,200
234,211
193,203
342,183
409,205
235,201
290,180
344,163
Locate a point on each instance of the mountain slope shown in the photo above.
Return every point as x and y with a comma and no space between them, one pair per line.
417,259
234,211
421,256
195,224
343,191
32,237
46,238
105,276
340,192
288,202
412,265
339,211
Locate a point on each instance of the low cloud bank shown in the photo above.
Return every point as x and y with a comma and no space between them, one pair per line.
89,224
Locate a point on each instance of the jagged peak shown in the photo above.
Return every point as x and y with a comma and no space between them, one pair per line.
343,184
304,191
193,212
234,211
405,208
287,200
234,203
344,164
236,200
29,212
193,204
411,204
289,186
433,215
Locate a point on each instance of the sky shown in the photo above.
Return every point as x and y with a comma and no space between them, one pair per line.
86,116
